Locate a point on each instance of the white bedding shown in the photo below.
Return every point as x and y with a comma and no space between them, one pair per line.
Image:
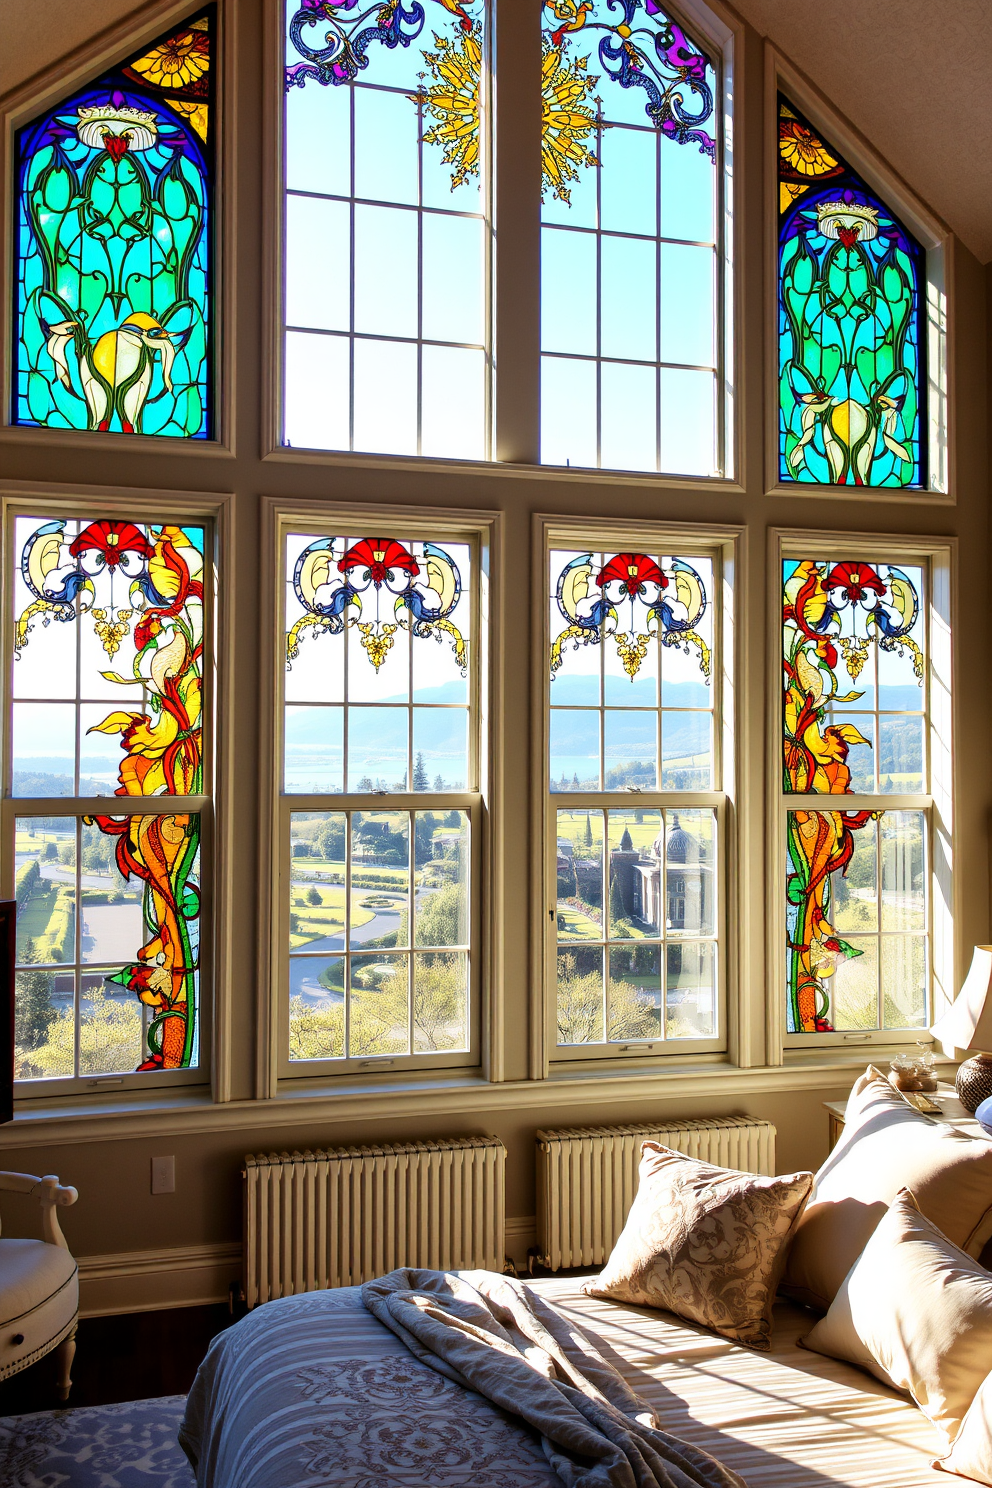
312,1392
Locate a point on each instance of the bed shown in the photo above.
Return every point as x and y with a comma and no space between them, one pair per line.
313,1391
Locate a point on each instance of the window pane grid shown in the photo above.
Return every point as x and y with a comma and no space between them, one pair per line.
110,654
380,669
662,655
392,976
856,725
391,355
636,925
645,403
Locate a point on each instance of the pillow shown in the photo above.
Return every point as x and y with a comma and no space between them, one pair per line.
886,1145
916,1312
705,1243
971,1454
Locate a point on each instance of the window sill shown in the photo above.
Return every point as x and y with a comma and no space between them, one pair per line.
437,465
101,1119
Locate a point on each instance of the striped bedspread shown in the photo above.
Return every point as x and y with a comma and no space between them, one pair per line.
312,1392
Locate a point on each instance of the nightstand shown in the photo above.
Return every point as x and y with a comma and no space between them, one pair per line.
952,1113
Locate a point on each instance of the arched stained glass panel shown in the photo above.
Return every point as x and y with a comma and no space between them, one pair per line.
113,243
851,348
386,340
629,242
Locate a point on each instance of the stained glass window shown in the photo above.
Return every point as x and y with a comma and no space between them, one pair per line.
631,716
629,248
107,702
379,716
385,230
851,349
631,667
854,723
114,321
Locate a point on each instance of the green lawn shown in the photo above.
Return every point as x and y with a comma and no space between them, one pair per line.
577,925
33,921
328,918
572,826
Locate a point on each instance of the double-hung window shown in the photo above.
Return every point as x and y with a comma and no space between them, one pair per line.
865,716
105,811
380,812
636,804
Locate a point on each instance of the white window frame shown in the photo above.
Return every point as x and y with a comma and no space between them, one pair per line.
178,508
720,544
938,558
280,1073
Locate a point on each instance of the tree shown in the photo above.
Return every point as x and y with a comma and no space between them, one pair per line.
366,783
313,897
587,834
580,1007
439,1003
420,781
51,852
453,819
618,912
441,918
33,1010
110,1038
438,783
626,843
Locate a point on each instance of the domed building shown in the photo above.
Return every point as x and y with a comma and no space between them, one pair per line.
678,898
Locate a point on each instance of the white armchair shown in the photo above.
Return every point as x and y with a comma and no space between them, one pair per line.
39,1286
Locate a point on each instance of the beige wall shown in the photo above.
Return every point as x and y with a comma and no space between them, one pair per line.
116,1211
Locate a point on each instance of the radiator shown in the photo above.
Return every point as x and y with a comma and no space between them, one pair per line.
338,1218
587,1177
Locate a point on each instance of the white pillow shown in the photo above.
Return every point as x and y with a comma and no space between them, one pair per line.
971,1454
915,1311
886,1145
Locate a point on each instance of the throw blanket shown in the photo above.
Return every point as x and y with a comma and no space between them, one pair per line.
498,1338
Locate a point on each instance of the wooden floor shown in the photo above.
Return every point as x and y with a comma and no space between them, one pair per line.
132,1357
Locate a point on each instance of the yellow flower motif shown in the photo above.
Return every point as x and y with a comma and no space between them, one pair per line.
803,150
178,62
196,113
568,121
453,100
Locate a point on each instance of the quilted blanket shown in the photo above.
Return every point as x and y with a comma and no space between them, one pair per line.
502,1340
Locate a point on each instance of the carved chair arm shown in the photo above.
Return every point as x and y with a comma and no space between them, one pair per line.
52,1193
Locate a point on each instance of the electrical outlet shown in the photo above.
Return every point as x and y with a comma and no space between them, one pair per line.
163,1175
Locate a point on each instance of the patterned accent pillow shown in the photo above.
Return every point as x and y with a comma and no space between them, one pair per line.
705,1243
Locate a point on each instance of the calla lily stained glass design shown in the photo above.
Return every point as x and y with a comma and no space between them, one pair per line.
417,594
111,606
632,600
114,220
851,383
845,623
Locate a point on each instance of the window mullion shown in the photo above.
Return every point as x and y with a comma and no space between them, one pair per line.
517,239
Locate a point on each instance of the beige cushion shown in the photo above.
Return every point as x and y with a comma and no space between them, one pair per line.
886,1145
916,1312
39,1299
971,1454
705,1243
30,1273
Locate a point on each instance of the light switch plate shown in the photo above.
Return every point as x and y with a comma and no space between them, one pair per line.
163,1175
